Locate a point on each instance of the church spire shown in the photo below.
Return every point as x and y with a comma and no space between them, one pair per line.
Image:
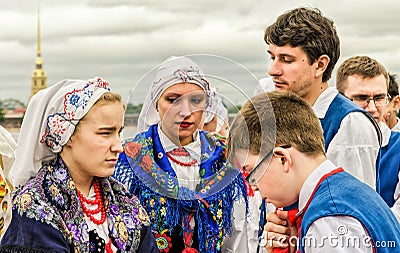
38,34
38,76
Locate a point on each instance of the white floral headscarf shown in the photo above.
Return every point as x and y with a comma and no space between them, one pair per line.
49,122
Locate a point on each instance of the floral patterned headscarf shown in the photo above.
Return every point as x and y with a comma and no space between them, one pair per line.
49,122
172,71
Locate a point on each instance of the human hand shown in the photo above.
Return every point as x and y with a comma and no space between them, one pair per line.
278,232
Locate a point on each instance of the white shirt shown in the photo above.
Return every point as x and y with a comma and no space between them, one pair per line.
190,177
355,146
334,233
187,176
264,85
397,126
386,132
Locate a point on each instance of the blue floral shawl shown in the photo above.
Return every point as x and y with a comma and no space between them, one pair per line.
146,170
51,198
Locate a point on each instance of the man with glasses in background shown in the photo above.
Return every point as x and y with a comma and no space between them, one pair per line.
278,139
365,81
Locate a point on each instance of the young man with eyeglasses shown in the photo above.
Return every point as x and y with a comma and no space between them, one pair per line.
278,139
365,81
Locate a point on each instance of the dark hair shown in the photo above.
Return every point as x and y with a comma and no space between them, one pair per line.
393,90
308,29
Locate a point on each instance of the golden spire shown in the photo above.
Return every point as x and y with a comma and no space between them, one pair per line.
38,34
38,76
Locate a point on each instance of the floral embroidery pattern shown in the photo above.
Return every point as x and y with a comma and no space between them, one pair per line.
146,163
75,106
163,242
51,198
4,198
169,205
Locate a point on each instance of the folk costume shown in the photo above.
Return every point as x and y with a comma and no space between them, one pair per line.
7,155
189,192
333,204
388,183
49,212
352,137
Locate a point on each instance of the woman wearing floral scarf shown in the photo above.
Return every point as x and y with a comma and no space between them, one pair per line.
179,173
65,200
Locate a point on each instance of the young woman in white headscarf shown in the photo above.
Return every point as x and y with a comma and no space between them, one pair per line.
216,115
180,173
66,200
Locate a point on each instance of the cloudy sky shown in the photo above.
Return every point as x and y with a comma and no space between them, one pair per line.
122,40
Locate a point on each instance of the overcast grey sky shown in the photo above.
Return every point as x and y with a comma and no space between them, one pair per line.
121,40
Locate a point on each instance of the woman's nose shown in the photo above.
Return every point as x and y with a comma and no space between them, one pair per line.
185,109
116,145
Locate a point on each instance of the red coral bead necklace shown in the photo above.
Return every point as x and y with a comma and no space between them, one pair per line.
180,152
90,213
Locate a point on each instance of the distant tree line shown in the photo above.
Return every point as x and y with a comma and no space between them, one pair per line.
133,109
130,108
1,114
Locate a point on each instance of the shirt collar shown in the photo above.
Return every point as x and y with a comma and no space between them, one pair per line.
311,182
386,132
323,102
194,148
397,126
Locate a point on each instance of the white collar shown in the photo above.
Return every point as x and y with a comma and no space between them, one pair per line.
386,132
323,102
311,182
194,148
396,127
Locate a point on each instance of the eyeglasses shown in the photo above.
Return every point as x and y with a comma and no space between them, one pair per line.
363,100
256,174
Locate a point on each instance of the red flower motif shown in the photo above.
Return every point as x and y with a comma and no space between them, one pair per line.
146,163
163,242
132,149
